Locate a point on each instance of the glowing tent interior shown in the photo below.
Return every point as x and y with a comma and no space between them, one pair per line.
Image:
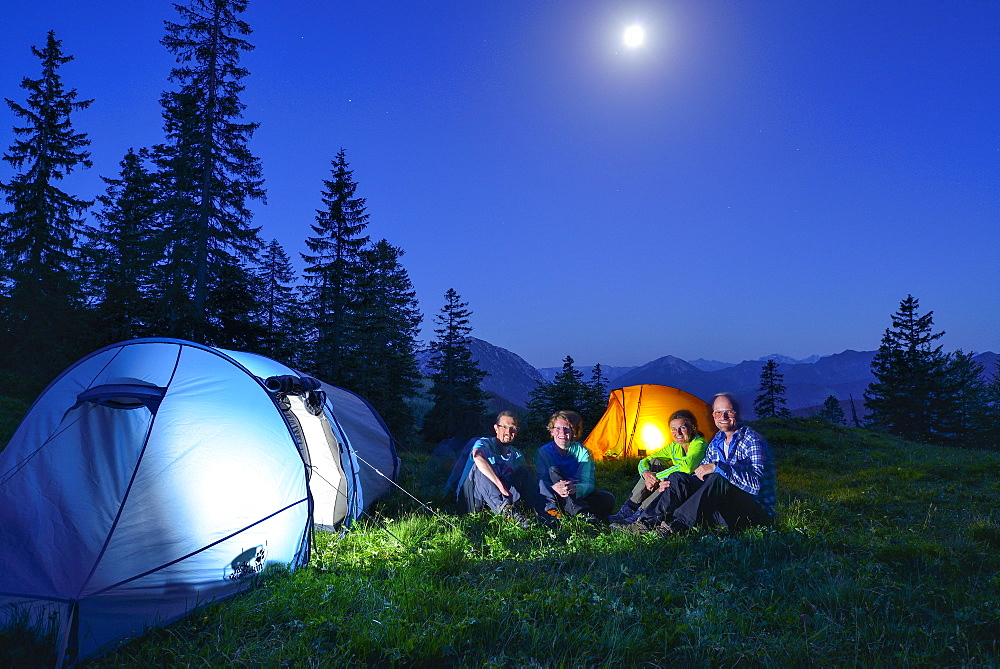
635,421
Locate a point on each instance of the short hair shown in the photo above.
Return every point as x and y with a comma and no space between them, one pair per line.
685,415
571,417
732,400
509,414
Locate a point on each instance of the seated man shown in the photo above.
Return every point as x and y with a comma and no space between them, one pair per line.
733,488
494,475
566,472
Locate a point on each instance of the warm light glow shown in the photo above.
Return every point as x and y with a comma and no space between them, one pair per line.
634,36
652,437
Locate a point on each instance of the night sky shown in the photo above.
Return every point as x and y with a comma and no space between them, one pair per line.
759,177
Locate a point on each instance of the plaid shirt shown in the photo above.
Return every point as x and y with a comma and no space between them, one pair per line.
749,466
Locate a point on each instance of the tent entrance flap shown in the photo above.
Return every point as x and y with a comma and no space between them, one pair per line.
326,481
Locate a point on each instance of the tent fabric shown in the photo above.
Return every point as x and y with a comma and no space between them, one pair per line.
156,475
637,417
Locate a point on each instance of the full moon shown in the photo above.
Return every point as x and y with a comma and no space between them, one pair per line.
634,36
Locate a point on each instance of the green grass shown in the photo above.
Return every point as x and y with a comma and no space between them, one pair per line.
885,554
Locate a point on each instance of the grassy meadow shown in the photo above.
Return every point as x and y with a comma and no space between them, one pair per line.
885,554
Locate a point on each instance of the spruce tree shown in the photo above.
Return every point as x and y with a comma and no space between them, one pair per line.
770,403
832,411
567,390
387,323
280,315
906,397
121,253
332,273
459,402
207,175
40,267
990,437
964,400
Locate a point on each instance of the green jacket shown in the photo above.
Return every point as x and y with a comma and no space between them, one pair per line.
673,451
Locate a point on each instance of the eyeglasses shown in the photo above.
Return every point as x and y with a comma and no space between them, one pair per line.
509,428
567,430
728,413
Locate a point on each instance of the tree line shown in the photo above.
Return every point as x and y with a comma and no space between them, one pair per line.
170,249
919,393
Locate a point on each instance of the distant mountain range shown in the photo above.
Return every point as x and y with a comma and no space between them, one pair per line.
809,381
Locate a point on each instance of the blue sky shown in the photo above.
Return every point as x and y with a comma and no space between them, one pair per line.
759,177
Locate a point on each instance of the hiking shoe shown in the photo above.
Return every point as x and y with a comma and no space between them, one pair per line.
513,515
553,513
638,527
666,529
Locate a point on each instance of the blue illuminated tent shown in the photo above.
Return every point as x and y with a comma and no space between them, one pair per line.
156,475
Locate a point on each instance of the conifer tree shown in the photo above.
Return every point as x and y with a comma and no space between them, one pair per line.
459,402
963,401
387,323
991,411
905,398
832,411
567,390
207,175
332,273
121,253
280,315
39,263
770,403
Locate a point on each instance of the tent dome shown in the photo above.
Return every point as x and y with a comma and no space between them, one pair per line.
156,475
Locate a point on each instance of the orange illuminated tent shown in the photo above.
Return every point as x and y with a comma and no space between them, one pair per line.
635,421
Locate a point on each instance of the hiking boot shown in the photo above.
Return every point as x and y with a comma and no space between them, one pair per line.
666,529
639,526
512,514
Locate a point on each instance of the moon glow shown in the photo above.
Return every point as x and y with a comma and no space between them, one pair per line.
634,36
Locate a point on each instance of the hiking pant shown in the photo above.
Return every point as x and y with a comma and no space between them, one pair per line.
642,497
479,491
690,502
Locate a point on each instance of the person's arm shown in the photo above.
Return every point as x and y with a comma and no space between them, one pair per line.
486,469
695,454
746,469
585,484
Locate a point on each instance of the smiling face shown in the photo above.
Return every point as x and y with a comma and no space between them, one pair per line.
506,429
680,430
562,433
724,415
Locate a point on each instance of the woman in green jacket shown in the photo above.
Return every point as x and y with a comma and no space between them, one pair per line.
682,454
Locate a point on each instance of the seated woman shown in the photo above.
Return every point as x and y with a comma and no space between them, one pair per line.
566,472
683,454
494,475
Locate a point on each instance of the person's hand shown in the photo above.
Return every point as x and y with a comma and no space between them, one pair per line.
664,484
564,488
651,480
704,470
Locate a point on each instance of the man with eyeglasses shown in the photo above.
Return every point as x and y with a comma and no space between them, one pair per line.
733,487
495,474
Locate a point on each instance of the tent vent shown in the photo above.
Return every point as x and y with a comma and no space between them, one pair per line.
123,396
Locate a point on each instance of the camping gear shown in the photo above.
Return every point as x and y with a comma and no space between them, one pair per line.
156,475
636,420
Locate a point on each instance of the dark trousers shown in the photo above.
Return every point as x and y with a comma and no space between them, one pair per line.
600,503
690,502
